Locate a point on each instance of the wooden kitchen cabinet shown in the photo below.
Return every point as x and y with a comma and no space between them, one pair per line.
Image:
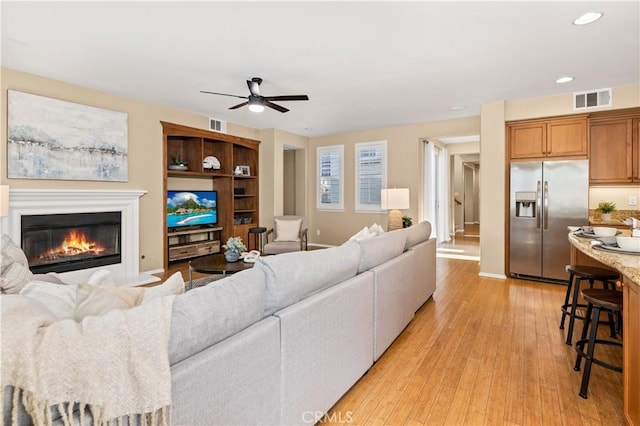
631,348
551,138
614,139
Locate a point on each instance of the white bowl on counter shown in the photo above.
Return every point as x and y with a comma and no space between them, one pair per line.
604,231
628,243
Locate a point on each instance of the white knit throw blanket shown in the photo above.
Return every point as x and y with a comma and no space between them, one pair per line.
115,365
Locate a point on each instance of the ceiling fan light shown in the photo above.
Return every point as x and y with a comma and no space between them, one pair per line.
255,104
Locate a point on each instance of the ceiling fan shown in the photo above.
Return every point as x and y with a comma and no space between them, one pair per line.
256,101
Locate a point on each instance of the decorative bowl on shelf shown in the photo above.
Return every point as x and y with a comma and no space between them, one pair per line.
178,167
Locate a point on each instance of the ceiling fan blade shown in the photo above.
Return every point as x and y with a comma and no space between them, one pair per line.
274,106
254,87
239,105
287,98
223,94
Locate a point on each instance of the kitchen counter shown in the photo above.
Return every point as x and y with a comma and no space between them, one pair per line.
626,264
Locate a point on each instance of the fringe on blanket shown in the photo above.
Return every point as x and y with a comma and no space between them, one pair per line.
41,413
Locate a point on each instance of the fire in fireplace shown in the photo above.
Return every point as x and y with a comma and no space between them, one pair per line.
69,242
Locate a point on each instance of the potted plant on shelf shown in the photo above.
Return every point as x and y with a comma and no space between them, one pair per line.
177,163
234,247
605,208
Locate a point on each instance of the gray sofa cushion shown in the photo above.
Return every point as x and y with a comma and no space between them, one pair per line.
417,233
207,315
291,277
377,250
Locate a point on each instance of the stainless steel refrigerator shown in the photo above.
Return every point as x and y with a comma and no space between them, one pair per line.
546,197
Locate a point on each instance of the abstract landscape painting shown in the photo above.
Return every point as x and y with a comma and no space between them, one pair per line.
53,139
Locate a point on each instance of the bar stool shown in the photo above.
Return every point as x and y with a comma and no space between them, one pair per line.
257,234
598,300
578,273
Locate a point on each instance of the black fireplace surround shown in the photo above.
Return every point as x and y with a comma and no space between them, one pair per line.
73,241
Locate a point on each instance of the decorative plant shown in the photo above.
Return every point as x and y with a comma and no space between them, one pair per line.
235,244
177,160
606,207
406,221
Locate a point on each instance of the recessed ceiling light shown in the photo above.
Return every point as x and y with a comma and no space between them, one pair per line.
457,107
564,79
588,18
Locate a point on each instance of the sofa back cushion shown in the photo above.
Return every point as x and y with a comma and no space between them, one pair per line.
209,314
291,277
374,251
417,233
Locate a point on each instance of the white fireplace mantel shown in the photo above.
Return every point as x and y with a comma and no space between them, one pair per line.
61,201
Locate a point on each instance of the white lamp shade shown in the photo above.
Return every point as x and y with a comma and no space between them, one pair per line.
4,200
395,198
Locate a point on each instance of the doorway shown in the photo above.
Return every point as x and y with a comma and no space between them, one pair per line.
462,183
294,181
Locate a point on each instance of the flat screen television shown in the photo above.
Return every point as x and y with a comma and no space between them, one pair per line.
191,208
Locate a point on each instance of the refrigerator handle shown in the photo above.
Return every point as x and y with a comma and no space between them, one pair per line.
538,201
546,204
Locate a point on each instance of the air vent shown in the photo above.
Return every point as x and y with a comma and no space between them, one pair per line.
217,125
592,99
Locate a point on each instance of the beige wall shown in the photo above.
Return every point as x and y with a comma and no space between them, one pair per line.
404,170
492,189
616,194
404,162
145,150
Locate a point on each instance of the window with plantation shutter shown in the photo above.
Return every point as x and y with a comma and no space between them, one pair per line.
371,175
330,188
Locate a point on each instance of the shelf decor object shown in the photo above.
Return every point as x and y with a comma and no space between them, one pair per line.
54,139
394,200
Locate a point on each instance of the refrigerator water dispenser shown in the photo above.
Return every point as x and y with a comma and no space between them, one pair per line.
525,204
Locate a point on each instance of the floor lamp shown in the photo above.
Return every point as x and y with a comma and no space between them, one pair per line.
394,200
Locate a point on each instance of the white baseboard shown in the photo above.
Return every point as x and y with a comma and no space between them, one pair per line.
321,245
490,275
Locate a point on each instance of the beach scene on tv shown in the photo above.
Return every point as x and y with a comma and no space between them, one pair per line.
191,208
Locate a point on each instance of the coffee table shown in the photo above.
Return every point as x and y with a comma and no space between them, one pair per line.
216,264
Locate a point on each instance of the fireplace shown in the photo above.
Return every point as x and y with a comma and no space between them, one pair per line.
36,202
73,241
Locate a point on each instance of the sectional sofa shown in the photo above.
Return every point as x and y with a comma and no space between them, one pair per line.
280,343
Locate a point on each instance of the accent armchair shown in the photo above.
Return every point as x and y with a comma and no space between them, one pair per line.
289,233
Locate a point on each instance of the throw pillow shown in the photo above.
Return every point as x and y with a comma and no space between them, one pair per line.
94,300
14,266
363,234
376,229
174,285
59,299
288,230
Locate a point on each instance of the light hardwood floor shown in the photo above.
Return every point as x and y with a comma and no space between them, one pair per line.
483,351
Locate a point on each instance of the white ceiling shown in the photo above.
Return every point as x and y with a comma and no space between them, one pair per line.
363,64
